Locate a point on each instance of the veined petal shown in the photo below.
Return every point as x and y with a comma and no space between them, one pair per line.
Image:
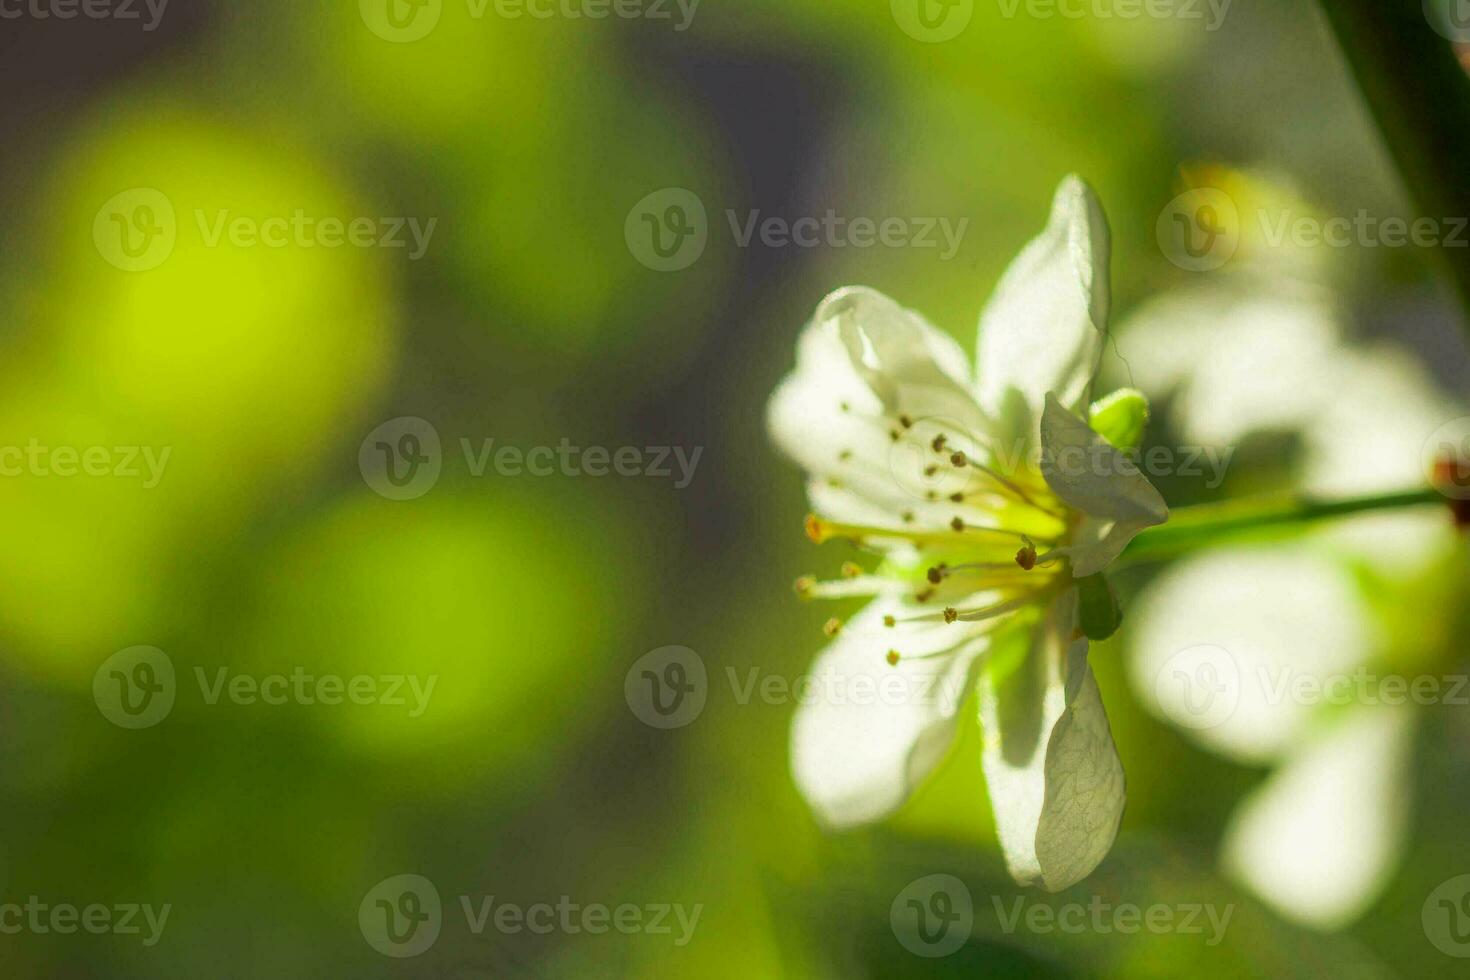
866,370
1044,327
1055,781
1088,474
868,732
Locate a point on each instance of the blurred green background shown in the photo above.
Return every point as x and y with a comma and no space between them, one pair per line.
528,319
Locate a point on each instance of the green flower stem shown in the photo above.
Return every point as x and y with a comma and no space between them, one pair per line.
1420,98
1256,517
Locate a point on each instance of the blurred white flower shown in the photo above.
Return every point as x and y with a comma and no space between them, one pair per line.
1297,644
990,498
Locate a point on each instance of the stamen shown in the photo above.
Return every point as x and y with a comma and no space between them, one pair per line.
981,614
821,530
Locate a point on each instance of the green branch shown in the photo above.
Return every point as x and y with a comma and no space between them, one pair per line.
1254,517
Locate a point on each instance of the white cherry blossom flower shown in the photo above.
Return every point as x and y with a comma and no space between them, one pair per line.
995,507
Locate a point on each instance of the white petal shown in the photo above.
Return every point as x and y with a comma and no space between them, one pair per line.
866,733
1220,641
863,362
1320,838
1055,781
1043,329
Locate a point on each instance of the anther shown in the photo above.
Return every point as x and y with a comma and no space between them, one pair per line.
893,658
958,524
832,626
804,585
959,458
958,498
937,573
889,621
845,455
905,421
939,442
951,614
851,569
